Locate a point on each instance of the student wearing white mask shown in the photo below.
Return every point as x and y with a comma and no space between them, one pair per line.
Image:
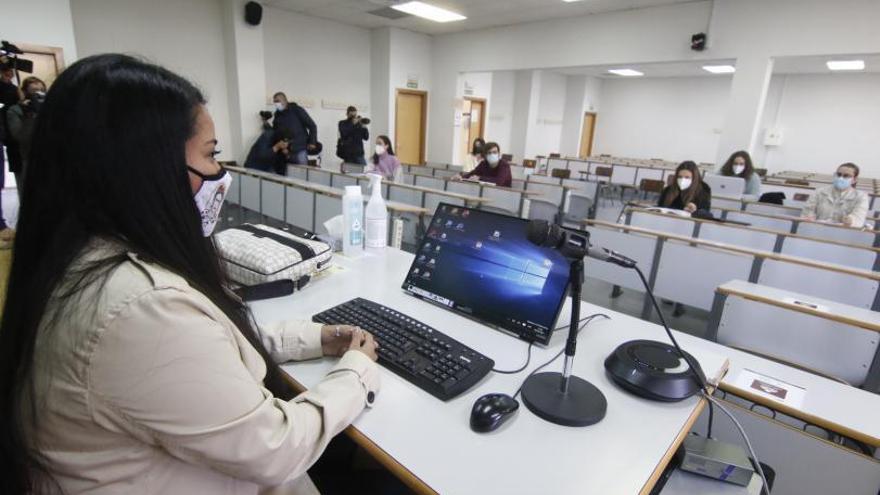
840,202
492,169
688,192
740,165
384,162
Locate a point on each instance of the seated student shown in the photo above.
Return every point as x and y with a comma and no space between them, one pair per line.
129,367
475,157
493,169
384,162
270,152
840,202
688,192
740,165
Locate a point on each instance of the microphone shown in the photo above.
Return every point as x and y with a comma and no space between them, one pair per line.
572,244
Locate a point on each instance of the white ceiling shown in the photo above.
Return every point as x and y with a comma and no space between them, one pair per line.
782,66
479,13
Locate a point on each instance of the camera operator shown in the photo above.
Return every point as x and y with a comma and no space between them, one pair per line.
271,151
266,117
352,135
303,131
8,98
21,118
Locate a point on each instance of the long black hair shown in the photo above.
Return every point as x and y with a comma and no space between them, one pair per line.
388,148
690,193
111,164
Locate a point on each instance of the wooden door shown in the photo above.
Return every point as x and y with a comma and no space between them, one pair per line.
464,135
409,128
48,61
478,120
587,134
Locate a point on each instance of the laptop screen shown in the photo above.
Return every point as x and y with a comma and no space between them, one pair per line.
480,264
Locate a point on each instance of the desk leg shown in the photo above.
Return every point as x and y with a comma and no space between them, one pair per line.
872,381
715,317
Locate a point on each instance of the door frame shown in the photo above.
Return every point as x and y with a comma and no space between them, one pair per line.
424,125
482,118
592,134
55,51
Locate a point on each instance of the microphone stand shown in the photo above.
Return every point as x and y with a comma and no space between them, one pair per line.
563,398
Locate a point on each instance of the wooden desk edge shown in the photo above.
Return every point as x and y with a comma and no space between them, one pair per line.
802,415
685,430
865,325
384,458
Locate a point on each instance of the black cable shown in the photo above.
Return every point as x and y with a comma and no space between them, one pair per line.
699,379
529,350
586,321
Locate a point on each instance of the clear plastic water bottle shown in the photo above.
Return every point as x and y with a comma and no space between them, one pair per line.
353,219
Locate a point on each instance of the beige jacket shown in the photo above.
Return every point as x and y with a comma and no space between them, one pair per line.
830,205
146,387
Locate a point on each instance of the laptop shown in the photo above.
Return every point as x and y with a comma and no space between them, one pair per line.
722,185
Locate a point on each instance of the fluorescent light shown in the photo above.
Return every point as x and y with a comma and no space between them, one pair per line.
626,72
719,69
846,64
421,9
569,1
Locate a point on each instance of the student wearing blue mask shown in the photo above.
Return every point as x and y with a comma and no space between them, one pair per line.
840,202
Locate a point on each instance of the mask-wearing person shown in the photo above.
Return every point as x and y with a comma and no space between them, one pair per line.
684,183
383,161
493,169
209,198
840,202
689,192
739,164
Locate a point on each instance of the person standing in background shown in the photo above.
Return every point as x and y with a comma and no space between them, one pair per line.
352,135
740,165
384,162
9,96
840,202
302,129
475,156
20,120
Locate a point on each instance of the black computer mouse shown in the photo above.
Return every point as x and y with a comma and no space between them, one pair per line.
491,411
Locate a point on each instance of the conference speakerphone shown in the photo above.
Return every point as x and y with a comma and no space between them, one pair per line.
481,265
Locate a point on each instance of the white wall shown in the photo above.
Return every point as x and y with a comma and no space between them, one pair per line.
826,120
475,85
671,118
575,95
409,58
525,92
40,22
545,131
317,60
189,42
500,112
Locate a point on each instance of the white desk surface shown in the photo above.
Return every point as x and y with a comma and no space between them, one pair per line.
432,439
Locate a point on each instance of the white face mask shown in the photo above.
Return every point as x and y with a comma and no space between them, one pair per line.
279,106
684,183
493,159
209,198
380,150
738,169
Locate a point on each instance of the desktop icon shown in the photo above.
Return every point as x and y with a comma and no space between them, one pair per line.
460,226
443,235
496,234
449,223
478,245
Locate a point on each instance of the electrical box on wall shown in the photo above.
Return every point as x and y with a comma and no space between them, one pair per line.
772,136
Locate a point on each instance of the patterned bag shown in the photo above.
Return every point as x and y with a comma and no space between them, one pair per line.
257,254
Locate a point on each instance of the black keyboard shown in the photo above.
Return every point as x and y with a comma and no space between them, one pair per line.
423,356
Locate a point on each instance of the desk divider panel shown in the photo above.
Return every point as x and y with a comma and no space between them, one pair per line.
250,192
648,173
517,172
864,259
849,236
752,239
731,204
442,173
690,274
433,183
771,209
326,207
632,245
234,194
301,173
432,200
273,200
556,163
422,171
777,224
469,188
407,179
549,192
319,176
835,348
404,195
301,208
577,167
543,179
826,284
623,174
671,224
508,200
341,181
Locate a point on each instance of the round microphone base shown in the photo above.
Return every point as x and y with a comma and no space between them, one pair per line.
582,405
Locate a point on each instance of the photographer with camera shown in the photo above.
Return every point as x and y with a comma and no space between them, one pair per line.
20,120
302,129
271,151
9,97
352,135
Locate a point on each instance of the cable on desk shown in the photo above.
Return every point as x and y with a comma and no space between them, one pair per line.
586,321
742,432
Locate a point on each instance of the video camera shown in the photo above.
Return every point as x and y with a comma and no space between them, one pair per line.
9,58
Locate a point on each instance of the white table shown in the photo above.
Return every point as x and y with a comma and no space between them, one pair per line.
414,432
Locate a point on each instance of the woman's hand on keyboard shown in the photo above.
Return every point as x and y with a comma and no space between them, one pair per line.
336,340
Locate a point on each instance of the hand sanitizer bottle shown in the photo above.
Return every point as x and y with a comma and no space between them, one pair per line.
377,217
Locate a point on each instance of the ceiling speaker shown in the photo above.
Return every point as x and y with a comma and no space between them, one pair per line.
253,13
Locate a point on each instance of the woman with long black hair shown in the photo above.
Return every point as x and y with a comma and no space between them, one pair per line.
126,365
